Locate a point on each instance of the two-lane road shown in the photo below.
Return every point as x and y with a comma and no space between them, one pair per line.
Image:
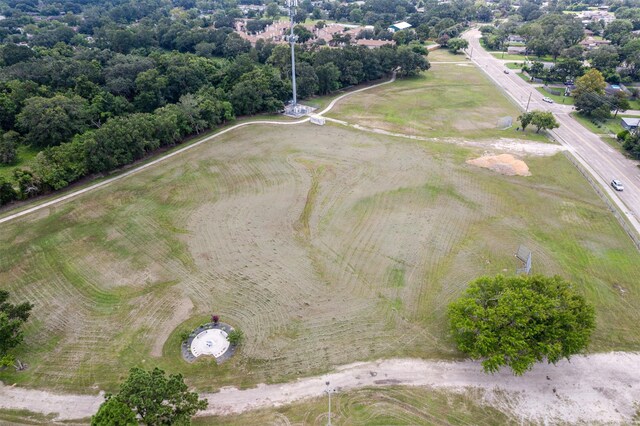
602,161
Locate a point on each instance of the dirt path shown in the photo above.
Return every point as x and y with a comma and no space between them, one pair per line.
599,388
517,146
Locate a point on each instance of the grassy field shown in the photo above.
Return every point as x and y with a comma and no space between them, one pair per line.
325,245
510,57
367,261
609,126
514,65
450,100
566,100
383,407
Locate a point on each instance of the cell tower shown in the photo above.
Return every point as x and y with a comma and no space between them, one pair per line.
294,109
292,41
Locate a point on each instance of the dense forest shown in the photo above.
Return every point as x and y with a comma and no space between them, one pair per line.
94,86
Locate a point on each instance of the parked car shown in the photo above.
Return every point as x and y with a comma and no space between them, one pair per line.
547,100
617,185
506,71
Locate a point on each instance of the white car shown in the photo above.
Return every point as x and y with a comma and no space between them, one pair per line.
547,100
617,185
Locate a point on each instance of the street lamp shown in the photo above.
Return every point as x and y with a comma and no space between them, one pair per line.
329,391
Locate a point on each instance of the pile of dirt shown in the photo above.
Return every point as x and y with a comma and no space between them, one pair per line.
505,164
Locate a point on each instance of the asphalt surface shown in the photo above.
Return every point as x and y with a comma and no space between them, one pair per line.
602,161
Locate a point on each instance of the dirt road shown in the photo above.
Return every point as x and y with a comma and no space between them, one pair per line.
599,388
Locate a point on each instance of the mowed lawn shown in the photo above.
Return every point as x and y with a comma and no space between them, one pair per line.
325,245
449,100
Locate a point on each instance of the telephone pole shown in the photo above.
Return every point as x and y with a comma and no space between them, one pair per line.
529,100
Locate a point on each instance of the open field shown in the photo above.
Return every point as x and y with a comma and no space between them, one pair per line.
374,406
449,100
325,245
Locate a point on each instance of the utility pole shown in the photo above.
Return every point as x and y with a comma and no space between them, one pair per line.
328,391
529,100
292,41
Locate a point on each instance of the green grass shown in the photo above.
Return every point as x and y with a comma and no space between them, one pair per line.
513,65
566,100
26,155
374,406
109,271
449,100
510,57
634,104
24,417
392,230
609,126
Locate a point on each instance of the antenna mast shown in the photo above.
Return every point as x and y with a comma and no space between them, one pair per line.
292,42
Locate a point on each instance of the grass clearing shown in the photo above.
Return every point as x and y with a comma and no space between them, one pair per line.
348,248
449,100
26,155
608,126
513,57
375,406
566,100
514,65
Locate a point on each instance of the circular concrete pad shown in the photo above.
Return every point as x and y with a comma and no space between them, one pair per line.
210,342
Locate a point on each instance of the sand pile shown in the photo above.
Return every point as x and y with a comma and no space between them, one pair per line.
505,164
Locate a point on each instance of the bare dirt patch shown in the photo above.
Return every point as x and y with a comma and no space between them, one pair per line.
505,164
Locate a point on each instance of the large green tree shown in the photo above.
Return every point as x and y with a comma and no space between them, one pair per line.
51,121
520,320
457,44
12,317
153,397
328,78
589,92
543,120
114,412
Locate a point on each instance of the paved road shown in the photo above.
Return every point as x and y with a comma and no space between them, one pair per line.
602,161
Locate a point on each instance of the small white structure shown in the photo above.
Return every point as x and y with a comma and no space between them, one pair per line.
399,26
317,119
210,342
629,123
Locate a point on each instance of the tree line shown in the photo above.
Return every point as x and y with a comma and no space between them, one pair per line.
104,110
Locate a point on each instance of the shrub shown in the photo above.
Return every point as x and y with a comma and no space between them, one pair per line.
235,337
